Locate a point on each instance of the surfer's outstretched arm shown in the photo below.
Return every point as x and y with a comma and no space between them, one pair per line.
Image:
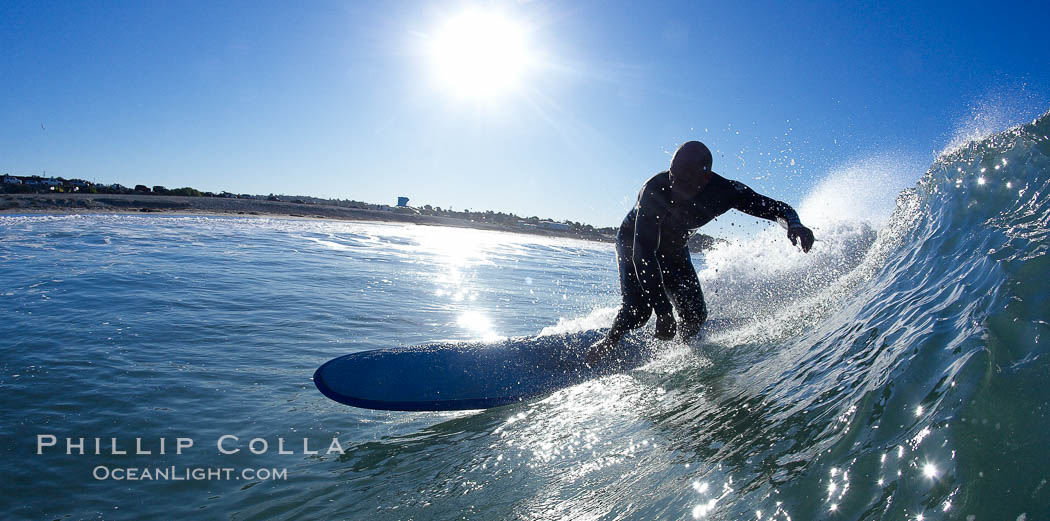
758,205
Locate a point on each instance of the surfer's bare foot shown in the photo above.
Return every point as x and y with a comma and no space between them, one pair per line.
601,350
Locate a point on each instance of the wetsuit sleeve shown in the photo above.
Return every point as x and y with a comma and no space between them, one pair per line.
753,203
646,259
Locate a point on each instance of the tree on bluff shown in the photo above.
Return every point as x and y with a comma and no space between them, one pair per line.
185,191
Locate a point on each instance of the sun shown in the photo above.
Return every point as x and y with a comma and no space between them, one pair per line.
480,54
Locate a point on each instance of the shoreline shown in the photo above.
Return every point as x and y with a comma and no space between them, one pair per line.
77,203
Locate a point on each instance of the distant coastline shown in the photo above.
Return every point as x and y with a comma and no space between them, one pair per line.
86,203
189,205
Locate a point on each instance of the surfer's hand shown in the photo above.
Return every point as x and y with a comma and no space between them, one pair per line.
665,327
801,233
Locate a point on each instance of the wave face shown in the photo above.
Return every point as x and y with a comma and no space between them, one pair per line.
898,371
915,384
912,386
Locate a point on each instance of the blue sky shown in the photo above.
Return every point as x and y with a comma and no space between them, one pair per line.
342,99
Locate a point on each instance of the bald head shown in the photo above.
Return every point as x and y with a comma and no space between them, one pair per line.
690,159
690,168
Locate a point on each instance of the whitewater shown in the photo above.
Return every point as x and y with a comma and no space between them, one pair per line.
898,371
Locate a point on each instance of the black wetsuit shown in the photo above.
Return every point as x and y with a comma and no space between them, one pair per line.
655,269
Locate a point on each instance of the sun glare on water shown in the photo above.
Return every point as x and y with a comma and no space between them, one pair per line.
480,55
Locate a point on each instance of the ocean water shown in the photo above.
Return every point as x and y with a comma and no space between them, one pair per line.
898,371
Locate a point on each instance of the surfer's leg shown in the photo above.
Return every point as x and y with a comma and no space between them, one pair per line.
629,317
635,310
683,286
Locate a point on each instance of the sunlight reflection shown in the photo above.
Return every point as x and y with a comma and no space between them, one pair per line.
837,490
455,246
705,508
929,470
456,252
920,436
478,324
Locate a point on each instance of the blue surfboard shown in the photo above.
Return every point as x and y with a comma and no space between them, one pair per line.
471,375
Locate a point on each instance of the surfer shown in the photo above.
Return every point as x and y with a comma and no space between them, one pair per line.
656,273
